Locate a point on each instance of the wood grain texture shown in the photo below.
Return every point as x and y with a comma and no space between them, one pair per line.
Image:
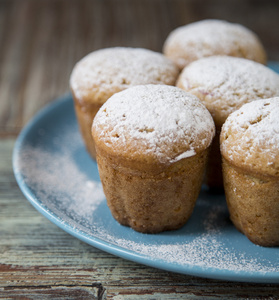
40,41
38,258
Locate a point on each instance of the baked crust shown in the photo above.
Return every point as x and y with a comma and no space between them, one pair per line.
250,151
250,137
152,202
152,144
205,38
252,200
224,84
102,73
152,123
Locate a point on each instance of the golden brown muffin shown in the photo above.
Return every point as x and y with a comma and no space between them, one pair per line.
212,37
152,143
102,73
250,151
224,84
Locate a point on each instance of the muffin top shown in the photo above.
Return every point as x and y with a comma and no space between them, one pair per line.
250,137
212,37
225,83
153,124
104,72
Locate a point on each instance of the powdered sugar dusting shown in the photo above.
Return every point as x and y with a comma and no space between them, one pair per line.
212,37
158,120
57,179
106,71
252,133
225,83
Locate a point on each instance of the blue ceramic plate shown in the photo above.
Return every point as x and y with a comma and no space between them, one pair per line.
61,181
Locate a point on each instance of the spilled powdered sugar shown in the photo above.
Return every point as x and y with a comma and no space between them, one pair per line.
57,179
60,178
79,194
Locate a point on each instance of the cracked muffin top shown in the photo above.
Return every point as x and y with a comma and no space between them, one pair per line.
225,83
250,137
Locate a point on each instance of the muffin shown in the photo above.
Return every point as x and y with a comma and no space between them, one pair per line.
104,72
212,37
250,151
224,84
152,144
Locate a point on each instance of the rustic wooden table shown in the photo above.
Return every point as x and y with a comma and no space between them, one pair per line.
40,41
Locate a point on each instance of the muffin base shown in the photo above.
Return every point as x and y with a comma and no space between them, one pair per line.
152,203
85,115
253,203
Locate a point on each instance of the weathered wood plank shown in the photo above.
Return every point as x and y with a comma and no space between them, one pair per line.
64,292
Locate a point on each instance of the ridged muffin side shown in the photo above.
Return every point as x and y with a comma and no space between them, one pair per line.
250,151
152,144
